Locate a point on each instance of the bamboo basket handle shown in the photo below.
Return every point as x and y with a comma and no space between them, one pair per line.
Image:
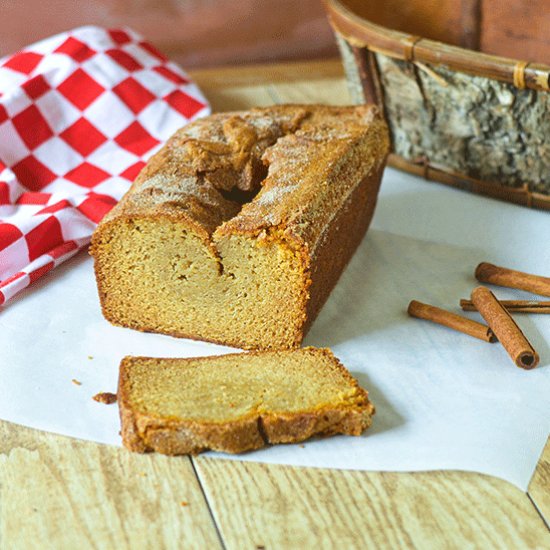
519,74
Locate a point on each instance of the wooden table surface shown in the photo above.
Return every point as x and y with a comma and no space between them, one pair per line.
57,492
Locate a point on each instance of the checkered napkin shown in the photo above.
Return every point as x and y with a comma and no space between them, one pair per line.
80,113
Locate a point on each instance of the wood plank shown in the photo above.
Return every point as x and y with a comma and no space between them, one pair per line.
190,32
237,98
331,91
539,488
262,85
516,29
268,506
68,493
261,75
435,19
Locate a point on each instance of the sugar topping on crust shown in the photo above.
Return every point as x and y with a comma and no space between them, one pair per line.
252,170
312,171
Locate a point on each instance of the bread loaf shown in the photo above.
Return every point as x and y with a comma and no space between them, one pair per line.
238,229
238,402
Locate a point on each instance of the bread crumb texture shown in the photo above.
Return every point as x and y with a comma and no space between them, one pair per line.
238,402
238,228
107,398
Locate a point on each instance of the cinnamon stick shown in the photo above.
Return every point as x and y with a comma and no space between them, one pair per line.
513,306
451,320
505,328
502,276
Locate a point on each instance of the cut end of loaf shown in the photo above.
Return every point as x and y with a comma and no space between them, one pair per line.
239,402
155,274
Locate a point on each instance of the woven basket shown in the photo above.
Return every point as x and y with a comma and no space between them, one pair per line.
464,118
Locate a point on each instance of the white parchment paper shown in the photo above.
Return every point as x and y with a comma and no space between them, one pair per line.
444,400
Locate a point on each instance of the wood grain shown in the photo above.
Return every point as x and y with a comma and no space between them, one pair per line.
435,19
237,98
260,76
68,493
262,85
539,488
511,28
516,29
329,90
195,33
360,32
259,505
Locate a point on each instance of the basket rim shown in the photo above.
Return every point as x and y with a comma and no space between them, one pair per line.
361,32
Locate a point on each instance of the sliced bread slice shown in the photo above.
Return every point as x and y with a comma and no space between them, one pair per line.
238,402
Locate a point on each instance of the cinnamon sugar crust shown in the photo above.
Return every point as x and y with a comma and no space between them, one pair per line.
238,228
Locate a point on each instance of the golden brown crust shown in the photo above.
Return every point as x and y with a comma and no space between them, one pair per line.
290,138
337,244
316,198
313,171
144,432
187,177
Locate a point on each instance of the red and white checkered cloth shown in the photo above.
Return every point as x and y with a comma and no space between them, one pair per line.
80,113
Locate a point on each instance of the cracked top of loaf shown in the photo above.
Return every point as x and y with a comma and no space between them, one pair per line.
288,167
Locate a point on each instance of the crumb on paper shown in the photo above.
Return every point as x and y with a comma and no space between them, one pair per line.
105,397
184,503
90,357
76,382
